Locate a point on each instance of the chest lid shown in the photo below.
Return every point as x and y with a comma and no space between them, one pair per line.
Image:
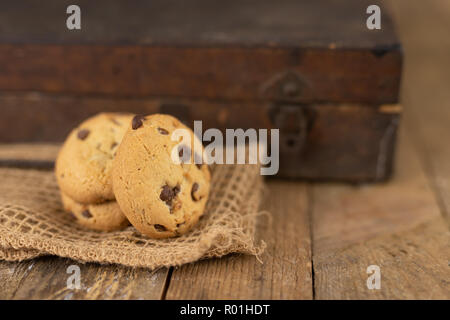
300,51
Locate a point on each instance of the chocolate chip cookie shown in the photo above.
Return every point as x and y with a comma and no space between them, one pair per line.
83,165
158,186
106,216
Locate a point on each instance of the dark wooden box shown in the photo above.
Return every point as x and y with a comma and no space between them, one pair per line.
310,68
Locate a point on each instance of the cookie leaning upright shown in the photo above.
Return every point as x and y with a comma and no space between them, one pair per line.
159,196
83,166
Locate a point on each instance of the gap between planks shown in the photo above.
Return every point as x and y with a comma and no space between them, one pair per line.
286,271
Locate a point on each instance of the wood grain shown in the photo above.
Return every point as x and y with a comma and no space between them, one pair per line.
309,135
141,48
171,22
11,275
286,269
426,88
360,76
397,226
28,155
46,278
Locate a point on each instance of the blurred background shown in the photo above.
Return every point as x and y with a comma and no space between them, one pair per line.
425,92
37,105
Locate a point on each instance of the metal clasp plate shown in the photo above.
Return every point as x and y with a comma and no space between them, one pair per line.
294,122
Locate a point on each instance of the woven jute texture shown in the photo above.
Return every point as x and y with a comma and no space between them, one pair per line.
33,223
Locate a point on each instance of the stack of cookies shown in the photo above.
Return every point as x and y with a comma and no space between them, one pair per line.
116,168
84,171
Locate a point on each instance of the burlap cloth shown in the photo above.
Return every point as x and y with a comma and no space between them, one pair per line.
33,223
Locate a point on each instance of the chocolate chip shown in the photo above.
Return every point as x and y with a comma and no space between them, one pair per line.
160,227
83,134
113,145
168,193
163,131
180,152
86,214
179,224
193,190
137,121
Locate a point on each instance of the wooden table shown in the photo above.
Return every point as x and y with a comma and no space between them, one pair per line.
323,236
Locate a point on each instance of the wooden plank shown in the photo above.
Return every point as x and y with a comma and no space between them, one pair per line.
114,54
426,90
28,155
360,76
11,275
286,269
170,22
359,138
46,278
397,226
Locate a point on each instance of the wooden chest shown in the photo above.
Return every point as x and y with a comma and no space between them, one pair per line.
310,68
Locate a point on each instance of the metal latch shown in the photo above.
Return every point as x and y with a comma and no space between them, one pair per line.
295,122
